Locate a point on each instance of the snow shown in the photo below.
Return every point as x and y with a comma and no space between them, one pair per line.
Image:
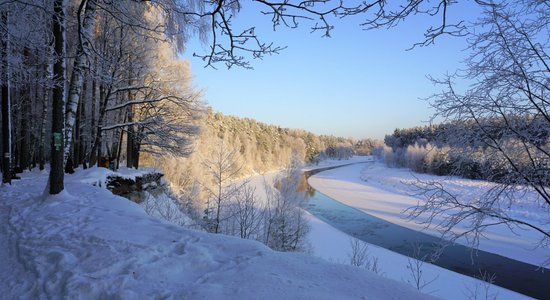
384,192
98,176
335,246
88,243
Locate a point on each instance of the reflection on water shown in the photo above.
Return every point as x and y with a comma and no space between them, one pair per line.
511,274
304,187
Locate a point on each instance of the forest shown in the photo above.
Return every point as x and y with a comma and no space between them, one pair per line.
84,82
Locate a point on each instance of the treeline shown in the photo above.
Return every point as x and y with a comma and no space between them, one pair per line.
257,147
472,133
467,149
263,147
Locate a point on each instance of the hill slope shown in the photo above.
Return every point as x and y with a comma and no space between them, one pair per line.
88,243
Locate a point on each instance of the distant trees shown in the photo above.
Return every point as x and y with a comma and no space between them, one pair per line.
367,146
263,147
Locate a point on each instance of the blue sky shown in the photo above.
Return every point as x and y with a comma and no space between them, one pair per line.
355,84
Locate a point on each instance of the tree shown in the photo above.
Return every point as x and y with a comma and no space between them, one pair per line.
87,8
246,213
285,225
56,179
506,101
222,167
6,111
361,257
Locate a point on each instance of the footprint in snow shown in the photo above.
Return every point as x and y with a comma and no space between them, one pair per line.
179,249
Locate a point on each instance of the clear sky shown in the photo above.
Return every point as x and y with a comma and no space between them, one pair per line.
355,84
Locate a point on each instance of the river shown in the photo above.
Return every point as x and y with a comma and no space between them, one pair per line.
511,274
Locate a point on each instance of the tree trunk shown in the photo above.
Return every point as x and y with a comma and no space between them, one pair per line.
45,103
81,128
119,150
136,149
56,179
24,96
130,144
80,65
130,147
103,96
6,128
93,123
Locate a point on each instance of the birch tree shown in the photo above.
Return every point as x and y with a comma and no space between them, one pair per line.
86,16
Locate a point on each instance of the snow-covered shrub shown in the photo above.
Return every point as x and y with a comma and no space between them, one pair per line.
414,158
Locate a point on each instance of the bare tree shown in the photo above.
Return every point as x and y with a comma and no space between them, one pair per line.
415,266
234,46
482,288
222,167
506,103
360,256
246,212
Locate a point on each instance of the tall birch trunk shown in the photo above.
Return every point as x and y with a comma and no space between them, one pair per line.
80,65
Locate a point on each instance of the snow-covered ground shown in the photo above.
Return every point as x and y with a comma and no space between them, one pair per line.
88,243
385,193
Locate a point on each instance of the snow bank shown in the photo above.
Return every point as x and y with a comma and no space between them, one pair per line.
88,243
333,245
98,176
